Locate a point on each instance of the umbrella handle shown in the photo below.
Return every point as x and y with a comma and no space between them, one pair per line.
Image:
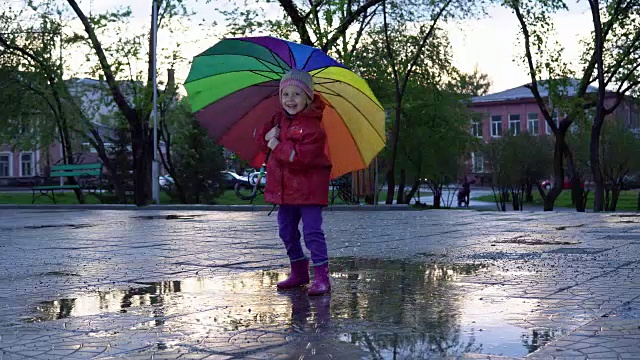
261,175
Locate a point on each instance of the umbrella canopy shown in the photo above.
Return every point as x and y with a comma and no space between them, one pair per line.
233,89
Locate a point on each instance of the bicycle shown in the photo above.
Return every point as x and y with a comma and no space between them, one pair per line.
253,187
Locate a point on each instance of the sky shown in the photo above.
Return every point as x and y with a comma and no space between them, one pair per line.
490,43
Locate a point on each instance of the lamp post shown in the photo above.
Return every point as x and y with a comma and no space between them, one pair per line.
155,169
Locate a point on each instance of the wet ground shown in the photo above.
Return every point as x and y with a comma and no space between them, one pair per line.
406,285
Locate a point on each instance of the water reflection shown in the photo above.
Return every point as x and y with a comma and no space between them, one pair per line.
415,306
384,308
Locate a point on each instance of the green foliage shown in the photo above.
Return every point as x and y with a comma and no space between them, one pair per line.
515,161
628,200
24,111
578,140
619,152
29,79
120,152
434,135
196,159
333,25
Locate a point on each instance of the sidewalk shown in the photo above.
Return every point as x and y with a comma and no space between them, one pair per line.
78,284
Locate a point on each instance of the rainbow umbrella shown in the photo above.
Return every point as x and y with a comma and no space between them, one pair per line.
233,91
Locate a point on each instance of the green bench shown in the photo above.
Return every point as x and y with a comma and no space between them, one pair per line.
86,174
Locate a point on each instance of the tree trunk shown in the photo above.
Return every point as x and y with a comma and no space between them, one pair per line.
115,179
437,196
577,194
141,163
615,194
395,132
414,189
515,201
558,169
68,159
594,159
529,192
401,198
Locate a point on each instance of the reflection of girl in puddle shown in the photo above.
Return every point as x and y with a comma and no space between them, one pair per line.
308,313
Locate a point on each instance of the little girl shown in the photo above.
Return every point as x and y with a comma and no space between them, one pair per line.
299,173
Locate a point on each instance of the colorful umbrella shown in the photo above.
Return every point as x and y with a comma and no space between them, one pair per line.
233,91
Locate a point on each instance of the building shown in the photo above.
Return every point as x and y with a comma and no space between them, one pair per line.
515,110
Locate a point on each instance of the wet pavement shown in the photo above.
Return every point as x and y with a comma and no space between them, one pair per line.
78,284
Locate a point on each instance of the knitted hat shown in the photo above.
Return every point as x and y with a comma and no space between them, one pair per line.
299,78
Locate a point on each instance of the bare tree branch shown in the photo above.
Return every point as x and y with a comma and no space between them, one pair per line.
423,43
350,19
620,95
623,57
364,23
124,106
532,70
297,20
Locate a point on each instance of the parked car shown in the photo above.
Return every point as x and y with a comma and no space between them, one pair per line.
630,182
566,184
166,182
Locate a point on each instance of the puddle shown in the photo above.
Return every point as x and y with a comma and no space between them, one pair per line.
58,273
628,311
578,251
72,226
530,240
168,217
384,308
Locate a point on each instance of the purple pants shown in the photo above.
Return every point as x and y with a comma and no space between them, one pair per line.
289,217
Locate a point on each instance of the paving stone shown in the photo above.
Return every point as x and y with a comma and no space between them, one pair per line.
186,284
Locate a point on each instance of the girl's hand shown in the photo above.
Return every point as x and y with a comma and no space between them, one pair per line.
273,133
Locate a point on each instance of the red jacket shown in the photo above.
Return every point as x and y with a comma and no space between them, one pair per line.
301,179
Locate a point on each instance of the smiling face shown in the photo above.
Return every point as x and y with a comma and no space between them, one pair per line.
293,99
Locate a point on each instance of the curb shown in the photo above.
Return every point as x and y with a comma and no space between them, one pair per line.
184,207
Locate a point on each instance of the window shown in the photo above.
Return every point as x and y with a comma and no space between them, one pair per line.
477,163
496,125
476,128
532,123
554,117
26,164
6,164
514,124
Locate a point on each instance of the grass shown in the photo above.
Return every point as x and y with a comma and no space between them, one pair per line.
66,197
227,198
628,200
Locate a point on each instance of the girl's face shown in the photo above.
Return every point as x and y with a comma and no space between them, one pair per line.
293,99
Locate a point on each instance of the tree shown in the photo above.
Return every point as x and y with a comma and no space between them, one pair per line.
612,58
119,58
23,112
616,53
578,139
196,159
474,84
120,156
619,157
516,162
323,24
435,138
33,67
402,59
